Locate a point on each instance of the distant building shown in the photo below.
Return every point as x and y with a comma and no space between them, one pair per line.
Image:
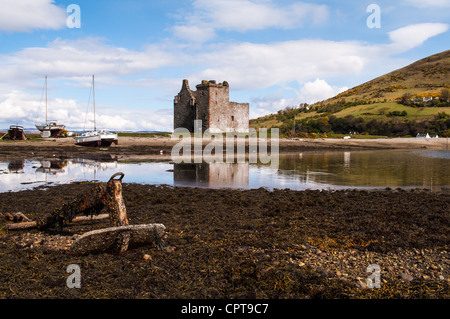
423,135
210,104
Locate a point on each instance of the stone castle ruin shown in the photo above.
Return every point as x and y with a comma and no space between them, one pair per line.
210,104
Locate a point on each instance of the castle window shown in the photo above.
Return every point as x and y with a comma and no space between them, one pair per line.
232,117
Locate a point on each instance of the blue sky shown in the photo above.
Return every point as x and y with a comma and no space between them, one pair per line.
273,54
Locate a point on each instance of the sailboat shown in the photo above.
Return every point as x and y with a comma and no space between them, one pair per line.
49,129
96,137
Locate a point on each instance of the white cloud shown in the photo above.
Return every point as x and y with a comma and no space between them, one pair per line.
269,104
310,92
256,66
26,15
414,35
27,109
20,107
318,90
194,32
245,15
77,59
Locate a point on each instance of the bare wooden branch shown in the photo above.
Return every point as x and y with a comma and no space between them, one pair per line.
20,226
84,218
33,224
118,239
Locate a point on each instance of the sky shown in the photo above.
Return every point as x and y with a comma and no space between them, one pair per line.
272,53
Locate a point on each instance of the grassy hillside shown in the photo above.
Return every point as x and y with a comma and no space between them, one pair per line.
382,110
395,99
426,77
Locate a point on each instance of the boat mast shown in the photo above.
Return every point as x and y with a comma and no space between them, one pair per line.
46,121
93,90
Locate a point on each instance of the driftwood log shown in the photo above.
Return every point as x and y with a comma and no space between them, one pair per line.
118,239
90,203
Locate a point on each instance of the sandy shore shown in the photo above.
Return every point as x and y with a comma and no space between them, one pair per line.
129,146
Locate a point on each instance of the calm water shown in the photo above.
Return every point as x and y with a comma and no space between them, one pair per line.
308,170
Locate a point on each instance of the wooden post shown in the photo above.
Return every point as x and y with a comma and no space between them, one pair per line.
116,205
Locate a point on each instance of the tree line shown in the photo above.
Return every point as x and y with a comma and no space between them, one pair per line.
392,127
437,100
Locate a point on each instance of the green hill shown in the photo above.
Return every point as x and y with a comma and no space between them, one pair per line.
426,77
407,101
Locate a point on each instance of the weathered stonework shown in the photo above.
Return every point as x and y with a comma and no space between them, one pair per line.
210,104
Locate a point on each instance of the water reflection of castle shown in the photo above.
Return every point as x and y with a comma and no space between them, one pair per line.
212,174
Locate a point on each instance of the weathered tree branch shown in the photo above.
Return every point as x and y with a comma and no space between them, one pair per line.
33,224
90,203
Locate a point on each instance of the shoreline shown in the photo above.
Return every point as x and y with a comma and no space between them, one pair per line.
152,146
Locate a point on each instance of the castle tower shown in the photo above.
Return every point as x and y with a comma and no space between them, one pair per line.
184,108
210,104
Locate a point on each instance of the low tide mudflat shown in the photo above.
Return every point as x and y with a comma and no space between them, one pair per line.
225,243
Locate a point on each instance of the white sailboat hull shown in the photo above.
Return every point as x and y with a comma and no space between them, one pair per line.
40,127
97,138
51,130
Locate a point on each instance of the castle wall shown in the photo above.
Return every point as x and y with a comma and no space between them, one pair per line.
211,106
238,117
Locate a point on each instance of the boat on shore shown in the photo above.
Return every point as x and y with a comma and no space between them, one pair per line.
49,128
16,133
96,137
